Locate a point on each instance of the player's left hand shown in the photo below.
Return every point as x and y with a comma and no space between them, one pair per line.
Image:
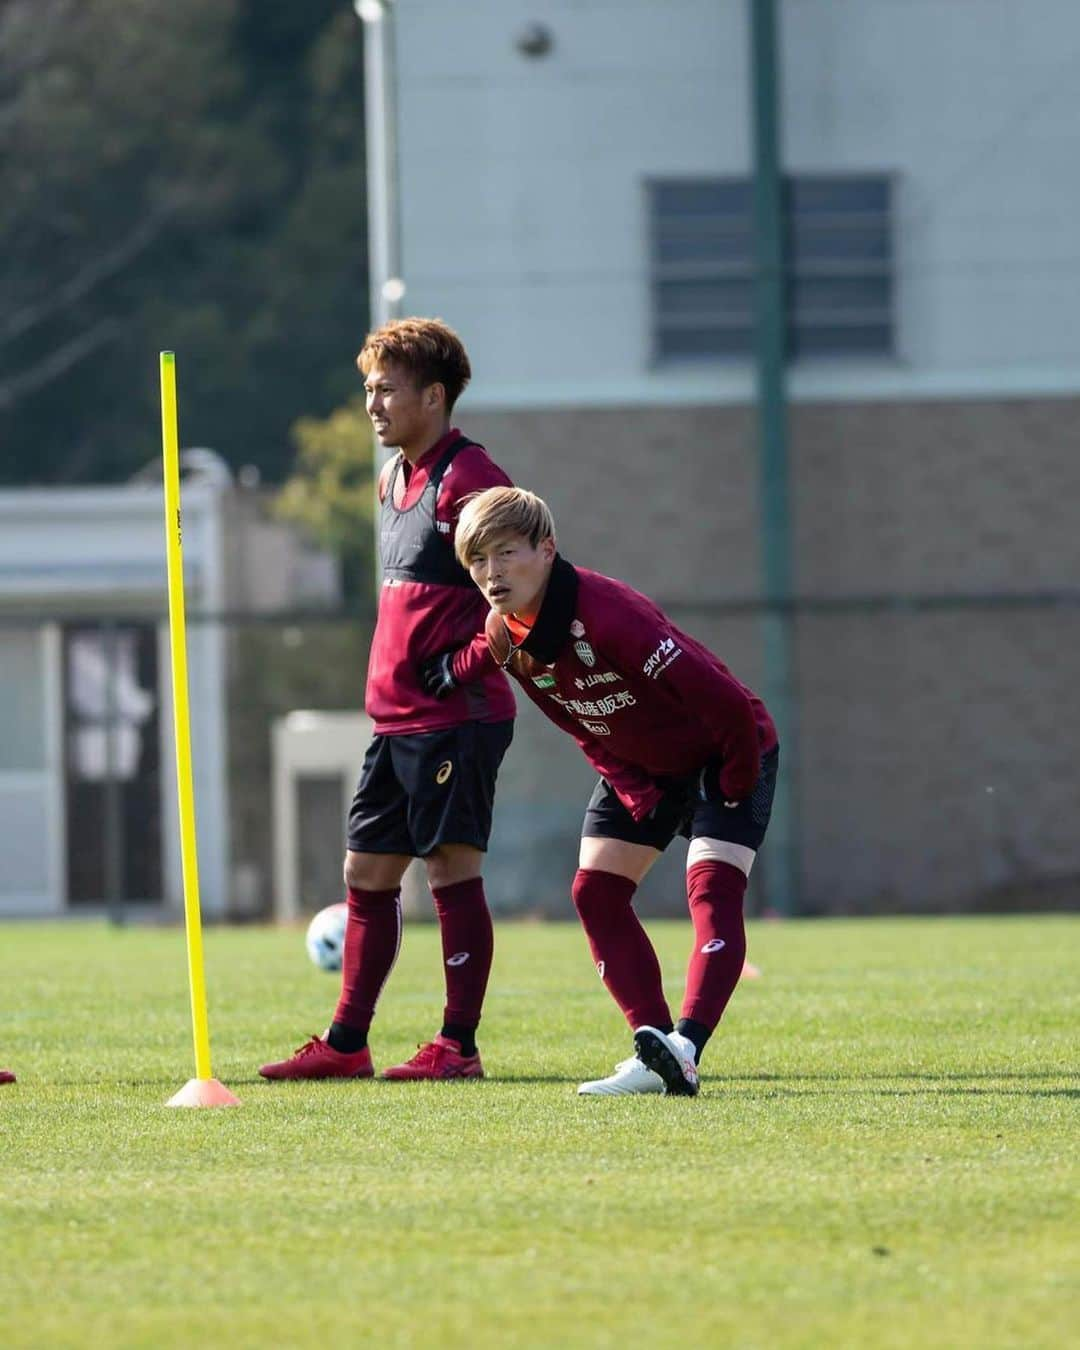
437,675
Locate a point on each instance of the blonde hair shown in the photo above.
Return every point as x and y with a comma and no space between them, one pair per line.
428,349
501,510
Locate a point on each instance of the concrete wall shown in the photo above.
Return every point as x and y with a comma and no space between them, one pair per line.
974,105
524,208
938,744
522,180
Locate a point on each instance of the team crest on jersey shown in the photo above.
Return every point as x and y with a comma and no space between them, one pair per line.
577,629
585,653
544,681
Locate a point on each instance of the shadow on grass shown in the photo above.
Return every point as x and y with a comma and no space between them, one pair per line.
172,1084
905,1084
1042,1075
399,1086
537,1078
775,1084
843,1089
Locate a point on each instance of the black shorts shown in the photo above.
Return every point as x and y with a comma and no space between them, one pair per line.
436,787
685,810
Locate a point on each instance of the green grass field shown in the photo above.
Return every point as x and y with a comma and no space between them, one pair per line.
883,1153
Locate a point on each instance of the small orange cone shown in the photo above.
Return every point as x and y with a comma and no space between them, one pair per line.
750,971
203,1092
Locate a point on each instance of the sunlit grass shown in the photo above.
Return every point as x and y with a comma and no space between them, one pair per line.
883,1153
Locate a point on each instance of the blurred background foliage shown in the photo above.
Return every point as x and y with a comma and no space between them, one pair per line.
187,177
329,493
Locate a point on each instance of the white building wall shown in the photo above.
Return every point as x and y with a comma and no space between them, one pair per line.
975,104
522,180
523,204
101,552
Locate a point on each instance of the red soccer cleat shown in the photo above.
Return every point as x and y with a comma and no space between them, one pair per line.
440,1058
317,1059
6,1076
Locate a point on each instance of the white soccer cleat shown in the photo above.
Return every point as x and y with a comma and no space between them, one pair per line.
670,1055
629,1077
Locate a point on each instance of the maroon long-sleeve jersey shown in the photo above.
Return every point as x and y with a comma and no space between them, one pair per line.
643,699
427,603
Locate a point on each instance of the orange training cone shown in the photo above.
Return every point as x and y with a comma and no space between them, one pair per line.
203,1092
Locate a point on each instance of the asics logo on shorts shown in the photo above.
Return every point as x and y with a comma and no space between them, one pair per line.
443,772
600,969
458,959
713,945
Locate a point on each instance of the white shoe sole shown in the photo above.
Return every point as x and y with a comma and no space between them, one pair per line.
623,1086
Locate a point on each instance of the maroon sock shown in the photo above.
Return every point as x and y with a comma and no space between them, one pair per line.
715,891
467,943
624,956
372,940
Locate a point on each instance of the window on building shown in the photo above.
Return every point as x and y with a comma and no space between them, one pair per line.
837,256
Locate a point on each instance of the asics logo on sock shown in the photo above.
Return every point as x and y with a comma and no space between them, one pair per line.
458,959
600,969
713,945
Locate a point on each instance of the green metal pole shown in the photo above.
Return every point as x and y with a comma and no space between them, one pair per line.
781,855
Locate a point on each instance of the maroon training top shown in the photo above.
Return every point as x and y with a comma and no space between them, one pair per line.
420,618
643,699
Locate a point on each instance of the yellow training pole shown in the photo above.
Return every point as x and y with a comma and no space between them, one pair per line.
203,1089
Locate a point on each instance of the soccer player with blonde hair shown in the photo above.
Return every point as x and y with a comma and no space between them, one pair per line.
442,711
681,747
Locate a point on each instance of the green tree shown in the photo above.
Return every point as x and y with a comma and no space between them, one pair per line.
331,491
187,176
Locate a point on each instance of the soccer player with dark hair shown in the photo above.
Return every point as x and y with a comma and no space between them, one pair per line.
681,748
442,711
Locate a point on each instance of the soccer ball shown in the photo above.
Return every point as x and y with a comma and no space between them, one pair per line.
325,940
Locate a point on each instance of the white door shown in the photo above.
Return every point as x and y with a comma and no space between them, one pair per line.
32,847
113,753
